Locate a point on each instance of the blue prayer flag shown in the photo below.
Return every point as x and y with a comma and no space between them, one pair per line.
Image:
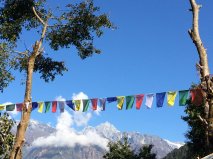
111,99
160,98
70,104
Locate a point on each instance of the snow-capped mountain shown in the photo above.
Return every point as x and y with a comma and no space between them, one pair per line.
93,151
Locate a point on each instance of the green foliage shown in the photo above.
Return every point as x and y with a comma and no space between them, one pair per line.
6,137
196,133
16,14
145,153
5,66
77,25
122,150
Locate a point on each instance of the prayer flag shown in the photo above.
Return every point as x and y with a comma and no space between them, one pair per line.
103,103
197,96
139,100
171,98
54,106
19,107
111,99
40,107
70,104
47,106
34,105
94,103
149,100
129,102
85,104
183,95
120,100
10,107
160,98
77,104
2,107
61,106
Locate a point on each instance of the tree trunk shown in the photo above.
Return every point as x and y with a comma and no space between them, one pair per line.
26,110
206,82
16,152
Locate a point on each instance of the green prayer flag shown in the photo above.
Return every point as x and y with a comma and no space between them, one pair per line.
47,106
183,95
85,104
10,107
129,102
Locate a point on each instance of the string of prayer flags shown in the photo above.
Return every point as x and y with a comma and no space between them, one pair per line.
139,100
111,99
54,106
10,107
40,107
47,106
102,103
197,96
183,95
94,103
129,102
77,104
70,104
171,98
85,104
149,100
61,106
19,107
120,100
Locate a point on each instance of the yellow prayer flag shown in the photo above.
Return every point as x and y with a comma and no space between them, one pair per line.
40,107
120,100
77,104
2,107
171,98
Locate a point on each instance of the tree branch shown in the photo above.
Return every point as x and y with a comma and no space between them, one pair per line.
203,120
39,18
195,36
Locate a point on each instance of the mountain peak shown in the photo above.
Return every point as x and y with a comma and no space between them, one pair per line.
107,127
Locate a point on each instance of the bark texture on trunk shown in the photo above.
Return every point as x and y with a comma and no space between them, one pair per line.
16,152
206,81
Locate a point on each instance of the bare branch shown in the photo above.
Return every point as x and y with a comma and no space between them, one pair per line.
203,120
39,18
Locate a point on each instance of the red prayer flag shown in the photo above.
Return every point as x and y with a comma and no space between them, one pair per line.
139,100
94,103
54,106
197,96
19,107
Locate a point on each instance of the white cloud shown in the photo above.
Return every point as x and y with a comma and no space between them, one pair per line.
81,118
60,98
67,136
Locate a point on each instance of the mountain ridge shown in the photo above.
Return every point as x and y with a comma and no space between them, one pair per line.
105,130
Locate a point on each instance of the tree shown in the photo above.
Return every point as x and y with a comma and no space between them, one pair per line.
197,129
206,82
122,150
77,26
145,153
6,137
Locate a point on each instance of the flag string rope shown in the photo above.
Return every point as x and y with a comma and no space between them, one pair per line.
83,104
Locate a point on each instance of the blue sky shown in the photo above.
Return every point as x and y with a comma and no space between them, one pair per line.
149,52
